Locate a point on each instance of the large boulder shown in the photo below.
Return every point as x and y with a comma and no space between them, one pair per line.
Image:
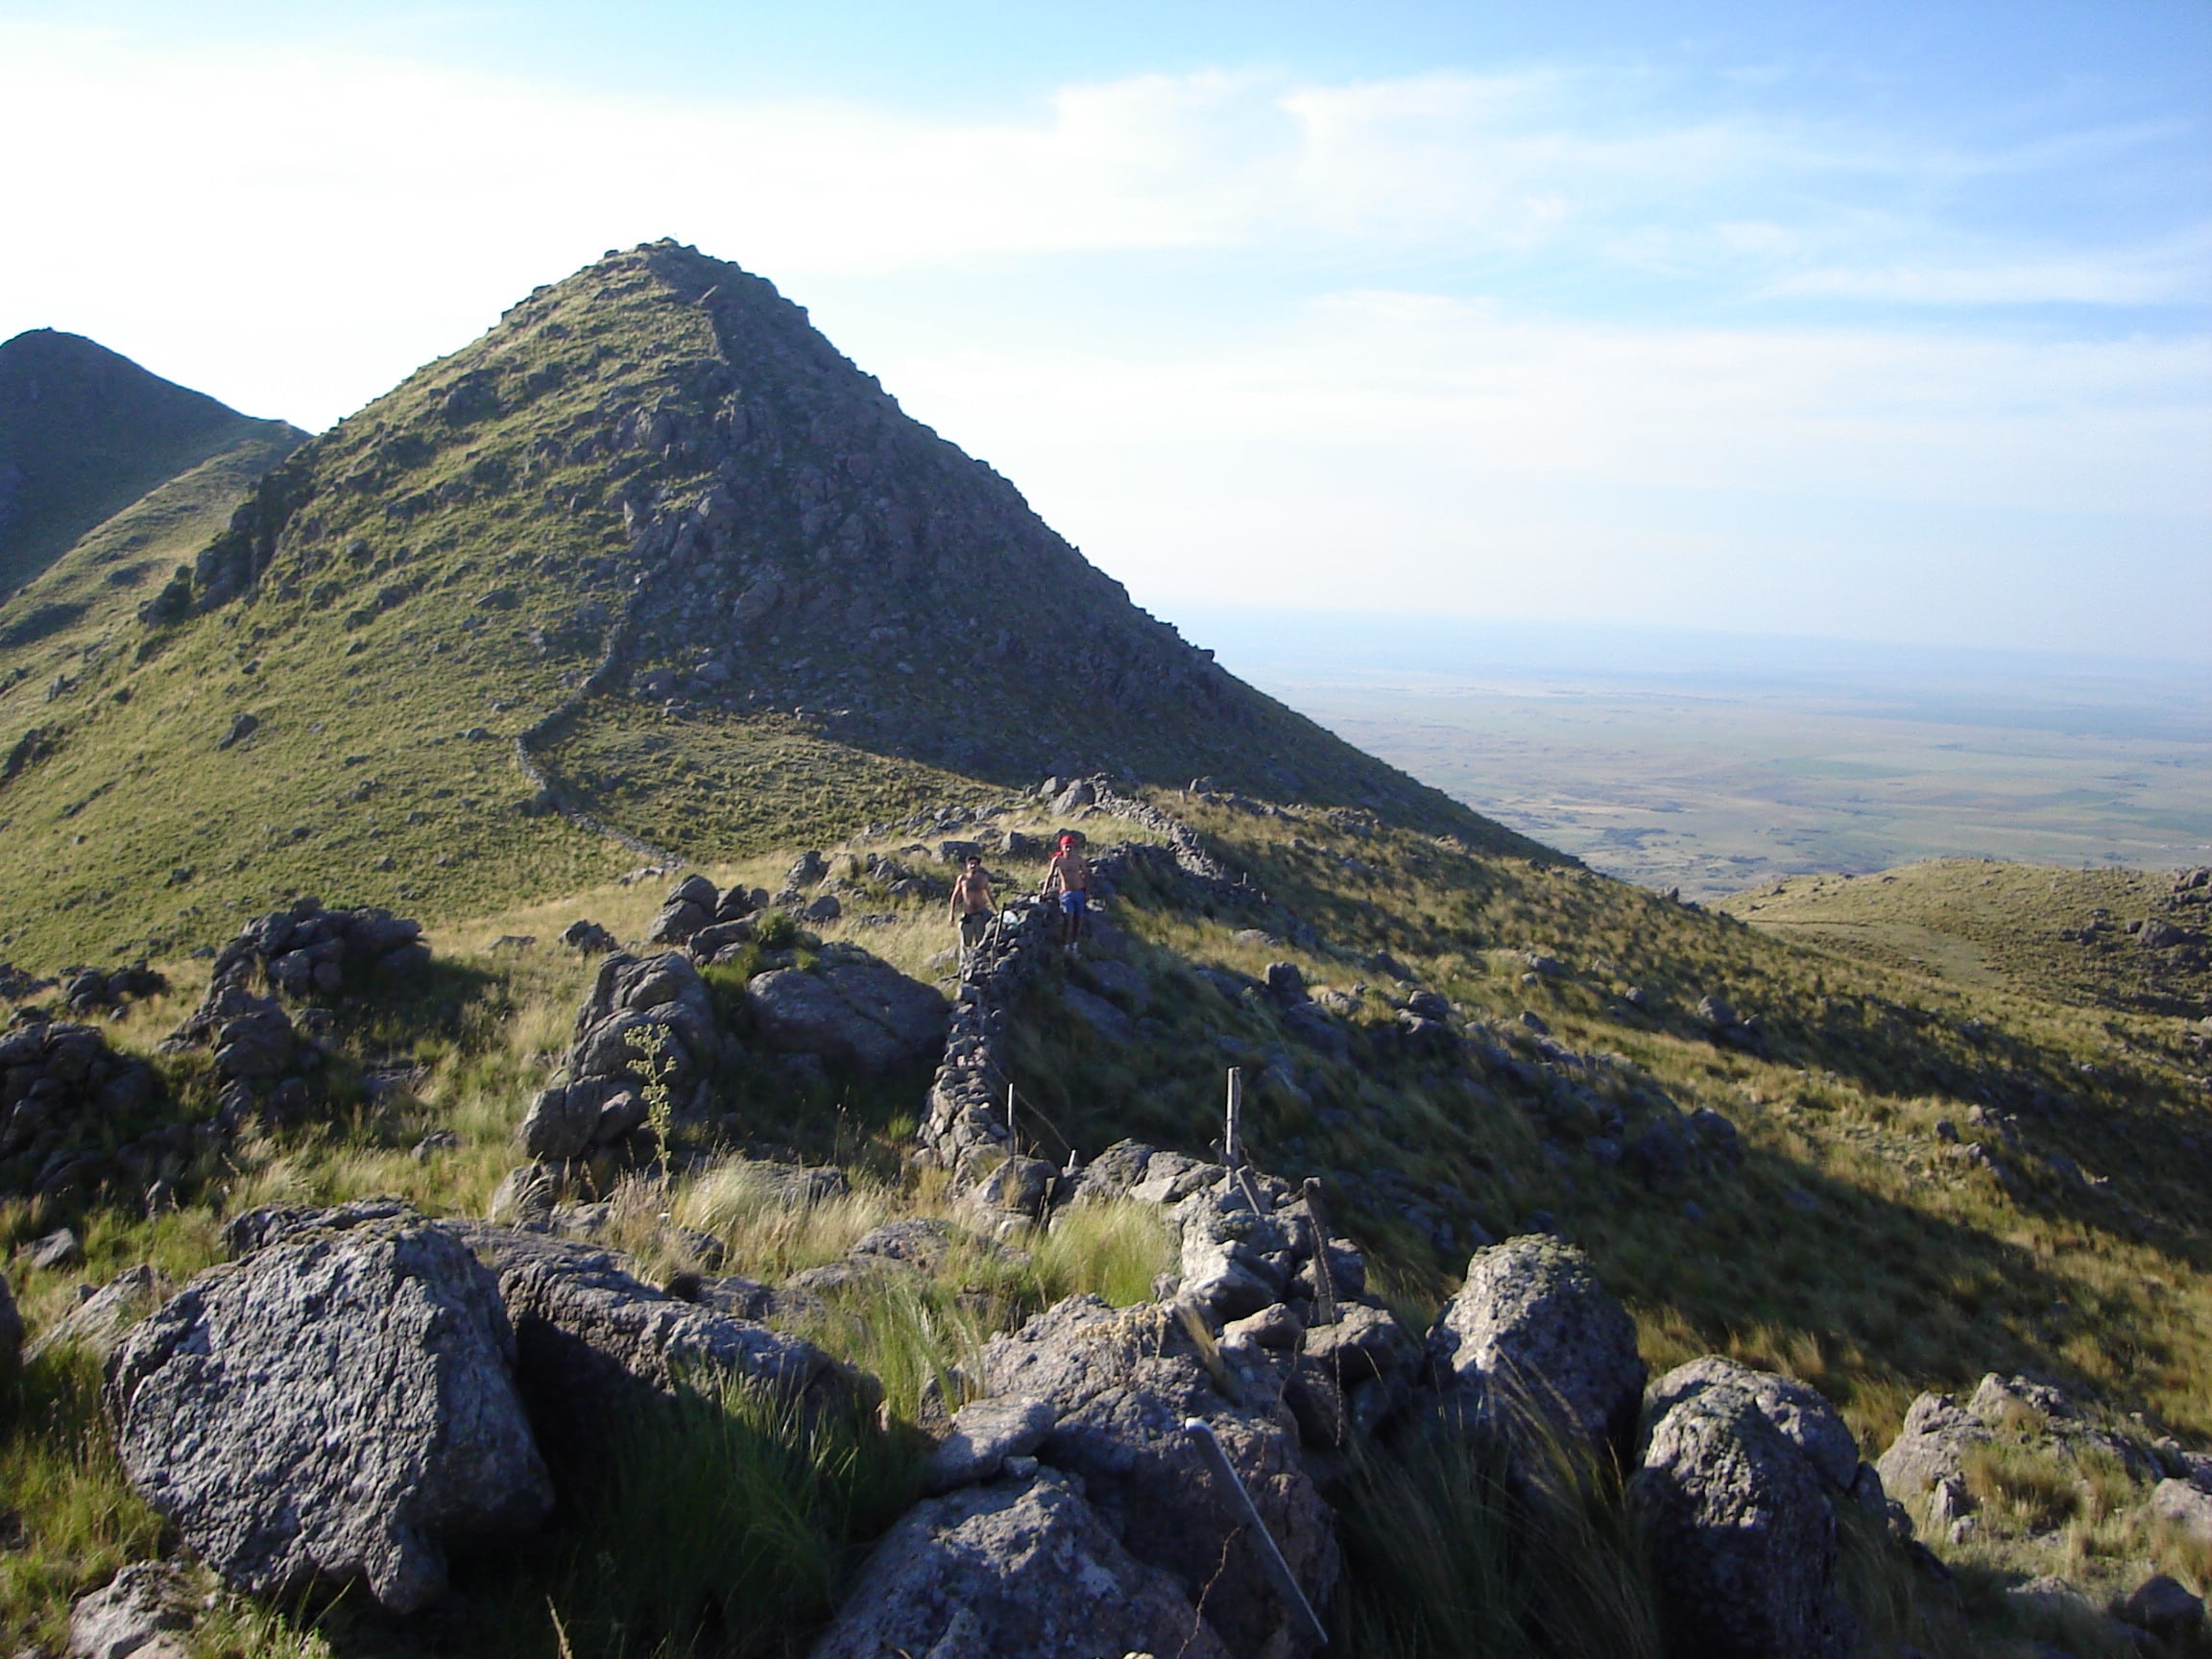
1743,1542
595,1344
1015,1569
1799,1413
636,1003
1532,1328
339,1406
851,1011
1122,1384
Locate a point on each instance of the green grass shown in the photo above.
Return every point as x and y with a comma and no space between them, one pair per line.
1509,1549
71,1517
1981,922
1849,1249
722,1526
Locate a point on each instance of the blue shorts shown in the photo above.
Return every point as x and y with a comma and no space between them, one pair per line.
1071,904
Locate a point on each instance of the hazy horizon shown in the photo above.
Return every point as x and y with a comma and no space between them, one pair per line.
1884,322
1715,762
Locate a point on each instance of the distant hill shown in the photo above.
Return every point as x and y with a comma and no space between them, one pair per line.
2135,939
650,552
84,432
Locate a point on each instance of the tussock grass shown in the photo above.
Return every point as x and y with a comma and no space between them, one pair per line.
1511,1547
721,1526
71,1515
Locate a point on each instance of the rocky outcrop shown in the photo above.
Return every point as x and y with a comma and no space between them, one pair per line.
1928,1458
1533,1328
1020,1569
264,1063
1121,1384
76,1117
648,1024
1733,1501
337,1407
851,1011
307,951
595,1345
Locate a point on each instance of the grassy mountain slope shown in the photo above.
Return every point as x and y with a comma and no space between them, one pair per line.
84,432
653,526
1851,1245
2076,934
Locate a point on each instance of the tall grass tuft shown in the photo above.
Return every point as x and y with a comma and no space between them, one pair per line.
1499,1545
723,1525
74,1517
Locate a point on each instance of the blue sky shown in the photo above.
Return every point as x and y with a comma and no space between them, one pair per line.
1880,322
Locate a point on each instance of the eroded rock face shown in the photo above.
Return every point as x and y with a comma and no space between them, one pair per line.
595,1344
852,1011
338,1406
1533,1324
1743,1543
1798,1412
1122,1384
1015,1569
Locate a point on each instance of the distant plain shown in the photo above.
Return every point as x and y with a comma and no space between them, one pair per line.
1712,762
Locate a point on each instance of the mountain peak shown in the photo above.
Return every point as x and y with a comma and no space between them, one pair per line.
651,551
84,432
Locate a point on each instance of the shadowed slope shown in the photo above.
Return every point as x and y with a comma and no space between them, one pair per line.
84,432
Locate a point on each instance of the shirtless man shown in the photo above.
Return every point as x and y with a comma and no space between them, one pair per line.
1069,877
973,907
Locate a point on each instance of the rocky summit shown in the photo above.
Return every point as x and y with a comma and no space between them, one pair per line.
505,1150
648,567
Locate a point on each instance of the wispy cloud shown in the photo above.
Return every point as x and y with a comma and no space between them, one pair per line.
1551,337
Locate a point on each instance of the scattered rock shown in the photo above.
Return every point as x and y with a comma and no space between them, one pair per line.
335,1406
2161,1606
98,1324
984,1435
2184,1506
1533,1326
590,938
139,1614
1016,1570
55,1251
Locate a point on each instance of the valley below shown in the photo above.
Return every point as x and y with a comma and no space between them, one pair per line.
1710,764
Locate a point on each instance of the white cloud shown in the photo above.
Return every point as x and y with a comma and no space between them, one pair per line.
296,231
